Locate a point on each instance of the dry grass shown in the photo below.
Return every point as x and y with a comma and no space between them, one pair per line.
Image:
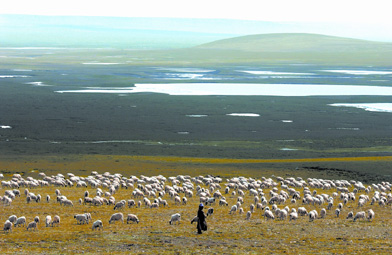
227,234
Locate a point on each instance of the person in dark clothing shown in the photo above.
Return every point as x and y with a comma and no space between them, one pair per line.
201,222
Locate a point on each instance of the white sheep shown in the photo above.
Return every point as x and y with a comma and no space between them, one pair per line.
12,218
233,209
293,216
47,198
7,226
48,220
36,219
350,215
210,211
175,217
337,212
132,218
32,225
20,221
116,217
56,220
360,215
81,218
119,205
370,215
312,215
323,213
97,224
268,214
248,214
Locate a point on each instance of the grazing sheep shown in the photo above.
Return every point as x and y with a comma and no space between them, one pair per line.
175,217
47,198
233,209
119,205
350,215
337,212
184,200
370,215
97,224
132,218
195,219
323,213
81,218
12,218
293,216
116,217
131,203
36,219
302,211
32,225
241,210
67,202
7,226
313,215
269,215
19,221
248,214
56,220
359,215
210,211
48,220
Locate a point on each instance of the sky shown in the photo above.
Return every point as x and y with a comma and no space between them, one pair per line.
375,12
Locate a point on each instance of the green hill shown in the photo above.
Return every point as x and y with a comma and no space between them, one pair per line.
292,42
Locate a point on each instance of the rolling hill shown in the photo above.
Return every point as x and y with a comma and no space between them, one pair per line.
296,42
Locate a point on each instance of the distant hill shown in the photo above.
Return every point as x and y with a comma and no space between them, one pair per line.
296,42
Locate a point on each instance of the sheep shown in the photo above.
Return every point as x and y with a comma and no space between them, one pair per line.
12,218
56,220
47,198
293,216
350,215
7,226
119,205
32,225
313,215
370,215
81,218
97,224
359,215
131,203
195,219
269,215
241,210
337,212
116,217
210,211
323,213
175,217
67,202
132,218
20,221
248,214
233,209
48,220
302,211
184,200
36,219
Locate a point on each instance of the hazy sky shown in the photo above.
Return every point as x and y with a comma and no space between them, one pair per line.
346,11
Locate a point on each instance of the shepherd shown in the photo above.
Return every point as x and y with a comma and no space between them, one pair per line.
201,222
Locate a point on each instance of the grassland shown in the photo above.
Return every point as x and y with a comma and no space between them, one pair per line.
227,234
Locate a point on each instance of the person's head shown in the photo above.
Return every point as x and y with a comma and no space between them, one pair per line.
201,206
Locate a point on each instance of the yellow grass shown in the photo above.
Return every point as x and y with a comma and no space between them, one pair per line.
227,234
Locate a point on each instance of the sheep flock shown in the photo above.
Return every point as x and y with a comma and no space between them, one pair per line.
105,202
